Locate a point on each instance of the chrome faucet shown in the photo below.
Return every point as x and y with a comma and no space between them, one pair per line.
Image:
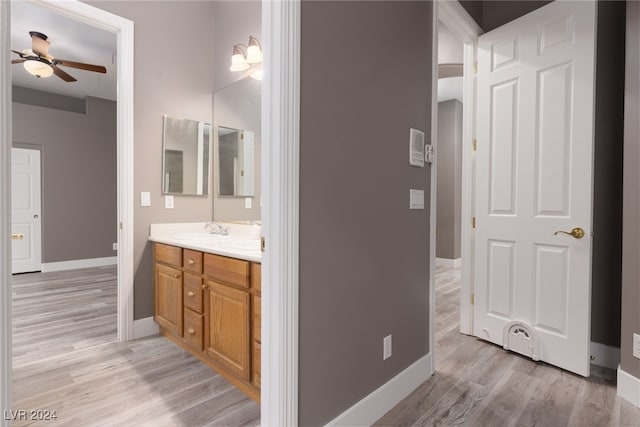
217,228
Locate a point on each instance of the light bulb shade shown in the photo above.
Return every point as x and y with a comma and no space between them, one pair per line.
38,68
239,59
254,51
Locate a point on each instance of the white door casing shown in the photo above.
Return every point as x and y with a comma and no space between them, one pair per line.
26,212
534,177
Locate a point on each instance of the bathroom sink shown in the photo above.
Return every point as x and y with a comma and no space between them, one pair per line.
244,245
199,236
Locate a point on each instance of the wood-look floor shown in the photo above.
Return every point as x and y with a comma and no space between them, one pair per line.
66,359
480,384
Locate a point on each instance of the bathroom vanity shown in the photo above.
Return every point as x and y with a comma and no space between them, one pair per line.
207,297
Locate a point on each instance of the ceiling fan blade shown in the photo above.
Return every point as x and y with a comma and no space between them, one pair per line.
62,74
18,61
38,44
17,52
81,66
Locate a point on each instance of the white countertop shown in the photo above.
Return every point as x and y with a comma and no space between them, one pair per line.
242,242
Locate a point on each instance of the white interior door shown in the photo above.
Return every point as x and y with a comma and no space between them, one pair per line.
26,232
534,178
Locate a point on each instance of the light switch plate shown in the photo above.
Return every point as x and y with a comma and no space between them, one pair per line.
416,199
145,198
636,345
248,203
115,246
168,202
386,350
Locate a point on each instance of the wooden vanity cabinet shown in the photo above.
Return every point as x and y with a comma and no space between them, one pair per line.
168,300
210,305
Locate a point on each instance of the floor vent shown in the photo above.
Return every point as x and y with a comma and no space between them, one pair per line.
521,338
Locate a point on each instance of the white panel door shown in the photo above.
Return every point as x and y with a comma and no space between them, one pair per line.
26,233
534,178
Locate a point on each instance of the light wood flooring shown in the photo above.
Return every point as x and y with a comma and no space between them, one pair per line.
480,384
66,359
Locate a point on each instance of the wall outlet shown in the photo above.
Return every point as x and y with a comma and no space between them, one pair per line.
386,347
636,345
145,198
248,202
168,202
115,246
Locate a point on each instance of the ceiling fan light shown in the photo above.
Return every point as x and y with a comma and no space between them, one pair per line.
38,68
256,74
254,51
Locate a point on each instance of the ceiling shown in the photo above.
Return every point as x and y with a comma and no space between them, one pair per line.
71,40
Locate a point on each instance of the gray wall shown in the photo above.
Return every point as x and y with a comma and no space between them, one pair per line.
492,14
238,106
449,193
631,210
169,79
606,266
79,173
364,256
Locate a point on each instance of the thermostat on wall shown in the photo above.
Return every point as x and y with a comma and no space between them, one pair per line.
416,148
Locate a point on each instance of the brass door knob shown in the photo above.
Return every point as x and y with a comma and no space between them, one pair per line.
576,233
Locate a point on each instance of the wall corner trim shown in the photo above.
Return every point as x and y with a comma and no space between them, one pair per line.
628,387
375,405
144,328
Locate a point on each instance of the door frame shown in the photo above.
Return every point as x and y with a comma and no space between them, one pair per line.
123,28
280,213
464,28
40,195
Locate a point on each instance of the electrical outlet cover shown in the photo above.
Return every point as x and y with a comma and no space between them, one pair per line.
636,345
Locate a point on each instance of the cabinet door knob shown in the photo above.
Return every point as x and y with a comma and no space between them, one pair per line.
190,293
191,331
176,276
191,261
204,287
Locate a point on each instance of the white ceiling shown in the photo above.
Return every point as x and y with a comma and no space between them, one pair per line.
71,40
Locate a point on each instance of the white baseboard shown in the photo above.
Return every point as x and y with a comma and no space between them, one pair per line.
628,387
79,263
144,328
378,403
451,263
605,355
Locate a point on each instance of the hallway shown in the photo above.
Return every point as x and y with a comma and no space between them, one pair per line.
479,384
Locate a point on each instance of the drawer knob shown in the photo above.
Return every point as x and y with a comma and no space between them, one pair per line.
190,293
191,261
191,331
176,276
204,287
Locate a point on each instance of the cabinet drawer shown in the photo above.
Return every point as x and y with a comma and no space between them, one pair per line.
192,261
193,292
227,270
257,316
256,276
193,329
257,354
168,254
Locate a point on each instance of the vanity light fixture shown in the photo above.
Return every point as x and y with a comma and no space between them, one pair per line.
254,51
245,57
38,68
239,58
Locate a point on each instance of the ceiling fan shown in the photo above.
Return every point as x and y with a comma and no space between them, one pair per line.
38,62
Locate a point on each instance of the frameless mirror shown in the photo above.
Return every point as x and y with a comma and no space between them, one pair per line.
185,159
235,162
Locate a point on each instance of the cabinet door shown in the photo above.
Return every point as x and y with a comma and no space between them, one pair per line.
168,298
227,337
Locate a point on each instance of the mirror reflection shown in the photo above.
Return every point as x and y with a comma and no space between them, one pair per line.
235,162
185,160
